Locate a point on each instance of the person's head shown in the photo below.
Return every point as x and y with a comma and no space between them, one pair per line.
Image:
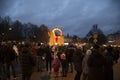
27,44
39,44
88,52
109,49
95,46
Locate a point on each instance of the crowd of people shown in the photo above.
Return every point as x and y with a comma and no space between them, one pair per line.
94,63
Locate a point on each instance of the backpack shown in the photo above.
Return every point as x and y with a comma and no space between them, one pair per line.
63,56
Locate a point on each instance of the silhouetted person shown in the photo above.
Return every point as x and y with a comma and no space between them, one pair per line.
10,57
2,61
109,57
85,65
48,58
27,62
64,62
40,52
96,64
77,60
70,52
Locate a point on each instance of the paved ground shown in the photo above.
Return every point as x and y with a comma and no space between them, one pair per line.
70,76
46,76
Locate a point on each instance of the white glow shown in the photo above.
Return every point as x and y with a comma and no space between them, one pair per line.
110,41
66,43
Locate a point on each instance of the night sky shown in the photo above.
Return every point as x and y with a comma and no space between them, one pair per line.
75,17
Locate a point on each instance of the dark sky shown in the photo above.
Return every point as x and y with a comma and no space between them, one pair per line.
75,17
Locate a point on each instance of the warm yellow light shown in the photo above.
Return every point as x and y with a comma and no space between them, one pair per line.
52,40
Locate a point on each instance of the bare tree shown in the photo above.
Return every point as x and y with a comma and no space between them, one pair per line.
42,34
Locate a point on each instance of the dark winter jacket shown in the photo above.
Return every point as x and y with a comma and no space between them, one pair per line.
2,54
27,61
77,59
10,54
108,66
96,64
70,52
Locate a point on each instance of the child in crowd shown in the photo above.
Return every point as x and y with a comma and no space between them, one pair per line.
56,65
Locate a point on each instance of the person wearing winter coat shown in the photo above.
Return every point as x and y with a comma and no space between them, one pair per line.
77,61
109,58
2,62
27,62
40,52
64,62
48,58
10,57
70,51
96,64
56,64
84,65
